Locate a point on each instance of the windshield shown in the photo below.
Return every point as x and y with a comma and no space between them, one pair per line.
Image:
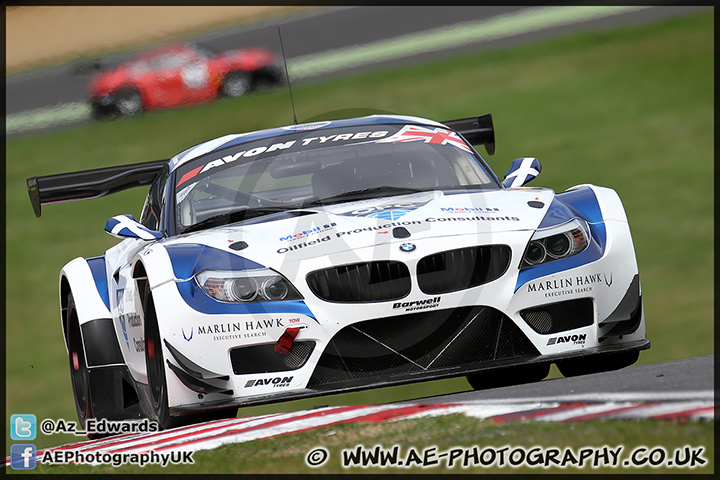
315,168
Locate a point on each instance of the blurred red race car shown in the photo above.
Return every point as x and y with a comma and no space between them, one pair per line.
179,75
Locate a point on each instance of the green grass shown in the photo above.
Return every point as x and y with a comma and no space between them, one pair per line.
630,109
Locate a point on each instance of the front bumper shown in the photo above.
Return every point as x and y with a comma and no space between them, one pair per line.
404,379
380,344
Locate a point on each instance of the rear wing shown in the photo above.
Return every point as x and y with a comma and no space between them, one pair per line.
476,130
67,187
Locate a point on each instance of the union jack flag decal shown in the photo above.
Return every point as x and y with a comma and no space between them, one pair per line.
437,135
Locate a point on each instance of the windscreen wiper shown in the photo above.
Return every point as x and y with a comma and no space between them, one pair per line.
232,217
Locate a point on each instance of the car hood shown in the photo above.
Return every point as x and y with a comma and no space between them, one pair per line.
275,239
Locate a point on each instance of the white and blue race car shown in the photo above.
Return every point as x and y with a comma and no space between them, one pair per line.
337,256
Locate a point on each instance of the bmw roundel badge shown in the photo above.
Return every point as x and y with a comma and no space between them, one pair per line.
407,247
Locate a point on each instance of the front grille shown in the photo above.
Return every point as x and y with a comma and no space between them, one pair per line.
559,317
463,268
361,282
420,342
264,359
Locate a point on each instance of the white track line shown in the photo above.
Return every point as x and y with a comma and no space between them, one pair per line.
664,409
450,36
516,23
605,397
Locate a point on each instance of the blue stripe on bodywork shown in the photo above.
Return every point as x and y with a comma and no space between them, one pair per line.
196,298
189,259
556,214
565,206
97,267
584,202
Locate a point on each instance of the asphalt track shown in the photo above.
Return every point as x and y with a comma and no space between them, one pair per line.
334,41
678,390
686,379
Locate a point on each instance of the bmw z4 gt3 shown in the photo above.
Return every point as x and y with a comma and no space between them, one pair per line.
336,256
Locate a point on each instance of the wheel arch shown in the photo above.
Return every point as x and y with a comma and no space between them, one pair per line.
89,277
607,200
152,269
124,84
129,86
64,292
92,306
139,275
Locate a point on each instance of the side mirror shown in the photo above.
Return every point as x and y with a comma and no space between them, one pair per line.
521,171
125,226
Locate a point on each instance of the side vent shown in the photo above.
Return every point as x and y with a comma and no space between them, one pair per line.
560,317
264,358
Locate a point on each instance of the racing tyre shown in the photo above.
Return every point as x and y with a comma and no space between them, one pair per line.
156,377
507,377
100,112
79,373
236,84
128,102
573,367
268,77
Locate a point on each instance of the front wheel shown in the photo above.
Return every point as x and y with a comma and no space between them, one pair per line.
128,102
236,84
573,367
506,377
155,367
156,377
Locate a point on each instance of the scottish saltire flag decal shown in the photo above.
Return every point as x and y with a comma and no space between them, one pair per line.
437,135
521,171
126,226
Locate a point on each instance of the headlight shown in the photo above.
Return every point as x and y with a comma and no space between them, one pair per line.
248,286
557,242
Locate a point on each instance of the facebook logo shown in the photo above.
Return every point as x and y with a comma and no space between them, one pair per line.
23,427
23,456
